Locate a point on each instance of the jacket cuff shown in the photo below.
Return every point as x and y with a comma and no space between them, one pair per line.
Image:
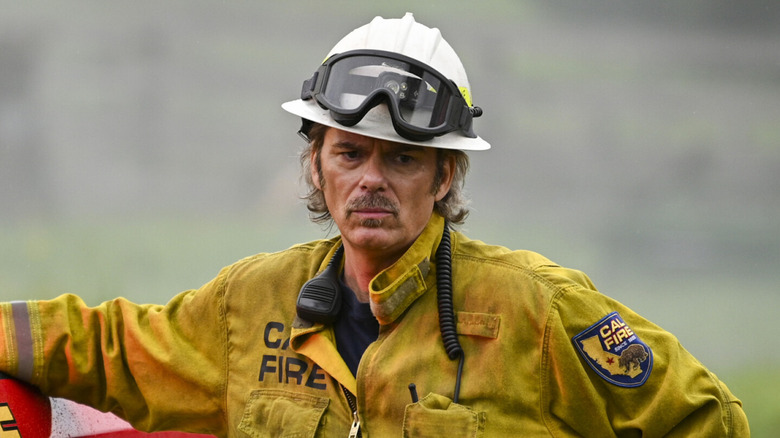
17,345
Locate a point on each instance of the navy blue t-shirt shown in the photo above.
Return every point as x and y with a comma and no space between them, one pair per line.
355,328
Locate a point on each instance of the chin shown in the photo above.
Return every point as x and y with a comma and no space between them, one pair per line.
371,238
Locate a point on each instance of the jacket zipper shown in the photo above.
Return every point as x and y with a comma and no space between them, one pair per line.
354,431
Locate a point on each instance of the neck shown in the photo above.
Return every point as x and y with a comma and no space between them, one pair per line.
360,268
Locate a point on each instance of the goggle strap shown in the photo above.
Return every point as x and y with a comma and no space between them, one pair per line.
307,90
465,120
306,126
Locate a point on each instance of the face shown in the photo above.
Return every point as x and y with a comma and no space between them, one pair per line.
379,193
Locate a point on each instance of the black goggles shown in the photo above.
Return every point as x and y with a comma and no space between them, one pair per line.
423,103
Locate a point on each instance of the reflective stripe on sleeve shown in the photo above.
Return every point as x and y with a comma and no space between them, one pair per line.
24,341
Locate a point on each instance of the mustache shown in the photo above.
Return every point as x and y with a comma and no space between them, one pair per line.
371,200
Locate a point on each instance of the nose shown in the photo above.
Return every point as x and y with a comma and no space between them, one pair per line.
373,177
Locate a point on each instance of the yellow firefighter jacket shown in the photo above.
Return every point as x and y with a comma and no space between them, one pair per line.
545,355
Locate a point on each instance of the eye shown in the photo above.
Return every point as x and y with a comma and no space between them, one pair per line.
405,159
350,154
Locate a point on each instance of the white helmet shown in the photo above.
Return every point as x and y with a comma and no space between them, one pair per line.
437,112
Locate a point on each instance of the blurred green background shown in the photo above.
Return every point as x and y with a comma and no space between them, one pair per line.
142,148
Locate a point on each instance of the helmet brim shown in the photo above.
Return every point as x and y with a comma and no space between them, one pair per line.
378,124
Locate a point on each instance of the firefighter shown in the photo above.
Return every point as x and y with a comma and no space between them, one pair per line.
398,326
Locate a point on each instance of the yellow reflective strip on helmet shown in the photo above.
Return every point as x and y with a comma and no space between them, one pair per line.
466,95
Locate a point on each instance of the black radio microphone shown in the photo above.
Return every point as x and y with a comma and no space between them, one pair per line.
319,300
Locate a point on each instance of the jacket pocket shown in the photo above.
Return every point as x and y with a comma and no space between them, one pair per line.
435,415
280,413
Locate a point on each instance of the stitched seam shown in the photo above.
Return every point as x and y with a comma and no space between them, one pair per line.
529,272
226,358
728,413
545,361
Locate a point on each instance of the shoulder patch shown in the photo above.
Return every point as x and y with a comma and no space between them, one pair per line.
615,352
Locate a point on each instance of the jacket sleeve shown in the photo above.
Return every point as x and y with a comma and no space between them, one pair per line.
141,362
677,397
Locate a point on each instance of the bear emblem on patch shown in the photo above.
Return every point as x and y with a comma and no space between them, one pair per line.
615,352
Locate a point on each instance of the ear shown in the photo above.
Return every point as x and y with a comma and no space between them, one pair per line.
447,175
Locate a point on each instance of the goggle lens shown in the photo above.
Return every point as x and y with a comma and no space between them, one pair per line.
422,102
420,96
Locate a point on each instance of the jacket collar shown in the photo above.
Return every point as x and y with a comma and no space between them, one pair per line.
393,290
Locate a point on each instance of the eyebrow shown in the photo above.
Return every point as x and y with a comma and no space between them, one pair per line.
346,144
410,148
402,147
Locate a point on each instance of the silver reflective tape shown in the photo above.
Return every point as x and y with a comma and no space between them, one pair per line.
24,341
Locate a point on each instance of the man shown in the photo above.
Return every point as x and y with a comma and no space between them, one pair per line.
397,327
